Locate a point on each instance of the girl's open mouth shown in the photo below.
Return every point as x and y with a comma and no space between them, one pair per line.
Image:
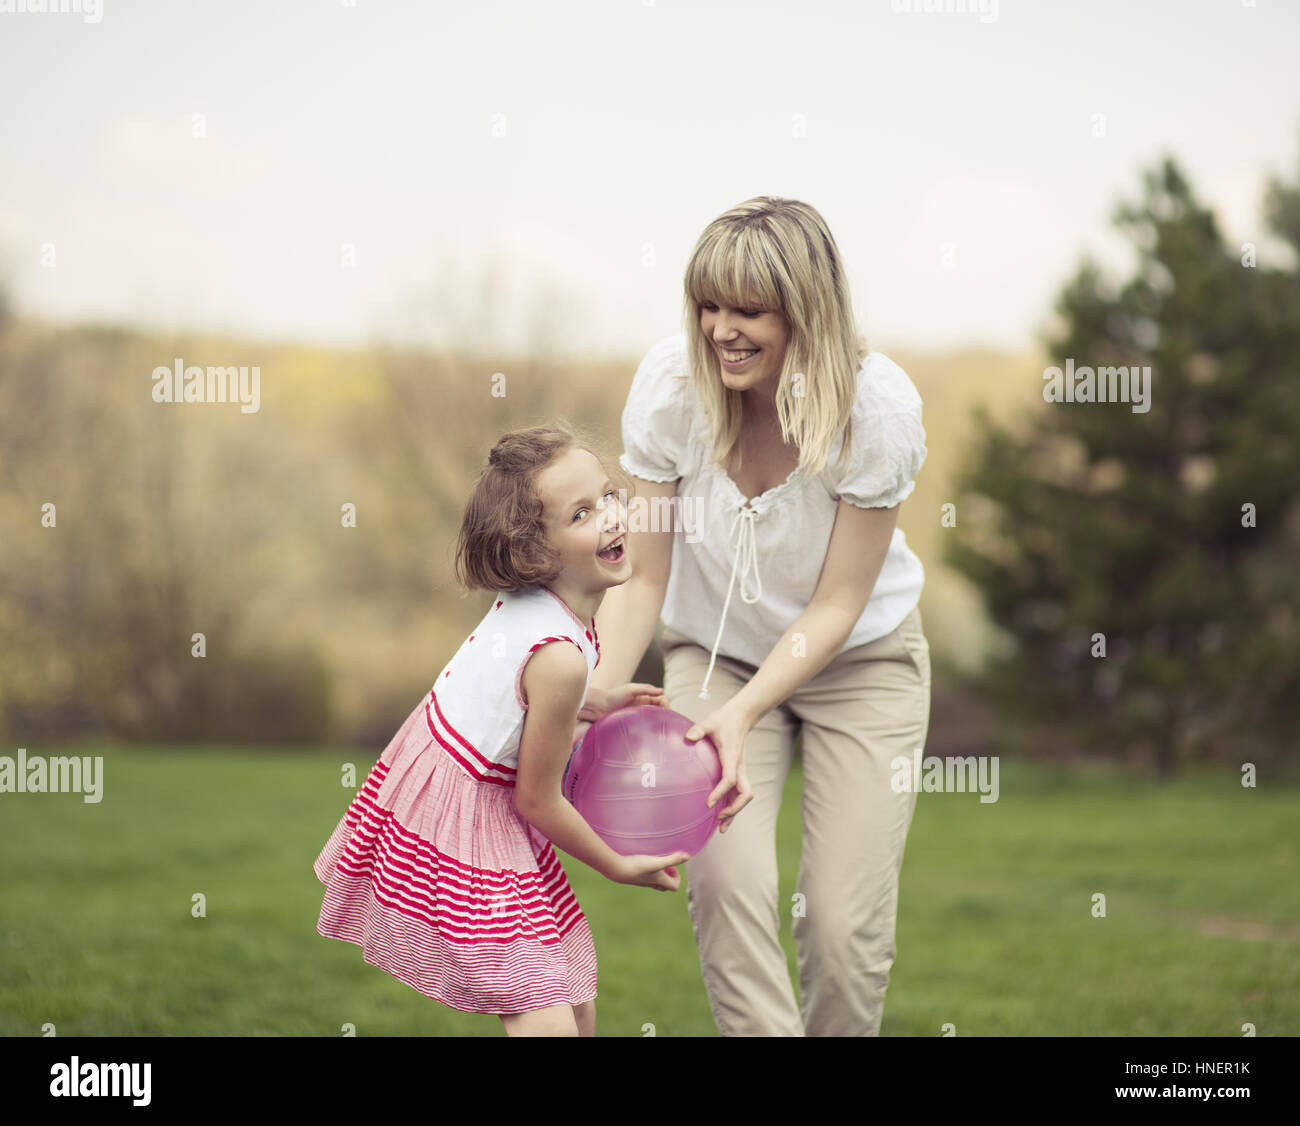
613,553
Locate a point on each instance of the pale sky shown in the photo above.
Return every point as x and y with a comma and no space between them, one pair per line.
580,148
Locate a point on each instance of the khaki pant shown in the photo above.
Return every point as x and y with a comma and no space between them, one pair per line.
870,704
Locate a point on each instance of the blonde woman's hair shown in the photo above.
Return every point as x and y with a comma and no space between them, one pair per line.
777,255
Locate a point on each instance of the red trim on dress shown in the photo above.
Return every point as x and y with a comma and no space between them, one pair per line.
465,903
567,609
464,762
487,763
519,675
591,633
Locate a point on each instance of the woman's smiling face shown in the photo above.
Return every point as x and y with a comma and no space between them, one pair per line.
756,341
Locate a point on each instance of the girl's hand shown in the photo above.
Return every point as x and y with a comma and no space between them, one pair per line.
657,872
727,728
600,702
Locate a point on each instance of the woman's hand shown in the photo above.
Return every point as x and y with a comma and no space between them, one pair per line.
600,702
727,727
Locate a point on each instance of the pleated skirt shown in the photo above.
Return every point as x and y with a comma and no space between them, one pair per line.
443,885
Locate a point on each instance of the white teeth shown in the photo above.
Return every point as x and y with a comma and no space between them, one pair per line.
736,357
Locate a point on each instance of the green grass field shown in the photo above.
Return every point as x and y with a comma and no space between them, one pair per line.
996,933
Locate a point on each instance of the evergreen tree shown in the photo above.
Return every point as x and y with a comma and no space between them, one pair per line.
1145,562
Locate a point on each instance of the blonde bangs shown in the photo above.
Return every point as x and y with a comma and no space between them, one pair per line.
735,273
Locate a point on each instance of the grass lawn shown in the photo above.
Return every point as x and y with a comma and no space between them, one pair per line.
996,931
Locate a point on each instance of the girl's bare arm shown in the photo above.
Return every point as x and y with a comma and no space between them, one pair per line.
553,683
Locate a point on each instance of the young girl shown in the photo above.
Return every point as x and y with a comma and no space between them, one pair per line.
443,868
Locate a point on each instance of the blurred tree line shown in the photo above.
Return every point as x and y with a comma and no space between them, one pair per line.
1144,565
310,543
1077,520
129,526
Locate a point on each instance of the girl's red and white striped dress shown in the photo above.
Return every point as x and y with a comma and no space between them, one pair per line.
431,871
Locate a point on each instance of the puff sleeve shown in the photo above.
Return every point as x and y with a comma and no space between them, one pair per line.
655,417
888,446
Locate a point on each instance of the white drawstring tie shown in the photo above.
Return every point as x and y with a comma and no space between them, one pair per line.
747,548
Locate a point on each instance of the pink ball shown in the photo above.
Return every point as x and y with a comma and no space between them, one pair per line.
641,786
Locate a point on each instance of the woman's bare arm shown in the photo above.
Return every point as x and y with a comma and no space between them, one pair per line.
855,556
629,612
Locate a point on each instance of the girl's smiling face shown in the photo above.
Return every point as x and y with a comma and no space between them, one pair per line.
584,516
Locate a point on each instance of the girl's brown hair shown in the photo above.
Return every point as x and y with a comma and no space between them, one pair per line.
503,544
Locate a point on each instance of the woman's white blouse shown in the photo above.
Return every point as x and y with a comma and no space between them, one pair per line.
772,547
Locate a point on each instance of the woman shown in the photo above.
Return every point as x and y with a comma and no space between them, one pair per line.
790,447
